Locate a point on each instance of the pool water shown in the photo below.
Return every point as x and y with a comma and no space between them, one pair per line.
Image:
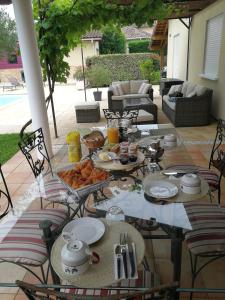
7,99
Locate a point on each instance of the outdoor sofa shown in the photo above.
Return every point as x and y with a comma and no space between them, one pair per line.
192,109
121,90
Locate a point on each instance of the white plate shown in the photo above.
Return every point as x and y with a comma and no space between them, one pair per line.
86,229
112,156
160,189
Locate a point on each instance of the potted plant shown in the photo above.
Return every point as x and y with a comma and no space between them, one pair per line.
98,76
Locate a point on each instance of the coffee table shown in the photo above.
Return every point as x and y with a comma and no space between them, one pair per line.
142,103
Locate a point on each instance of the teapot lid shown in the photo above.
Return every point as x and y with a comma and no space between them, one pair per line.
75,245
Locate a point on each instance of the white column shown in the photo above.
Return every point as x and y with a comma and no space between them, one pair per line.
32,69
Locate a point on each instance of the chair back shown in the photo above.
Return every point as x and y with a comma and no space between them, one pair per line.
53,292
34,149
217,157
120,115
5,199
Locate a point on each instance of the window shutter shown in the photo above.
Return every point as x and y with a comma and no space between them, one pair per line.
212,47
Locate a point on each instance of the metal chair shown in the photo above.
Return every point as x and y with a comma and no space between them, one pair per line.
35,292
51,189
213,175
6,202
21,241
120,115
206,240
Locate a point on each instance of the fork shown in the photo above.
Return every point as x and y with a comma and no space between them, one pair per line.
123,250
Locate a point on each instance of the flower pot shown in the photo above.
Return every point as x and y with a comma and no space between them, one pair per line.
97,95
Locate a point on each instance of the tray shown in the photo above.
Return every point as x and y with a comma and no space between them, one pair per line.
83,191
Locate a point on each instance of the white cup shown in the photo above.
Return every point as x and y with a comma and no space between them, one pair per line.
190,184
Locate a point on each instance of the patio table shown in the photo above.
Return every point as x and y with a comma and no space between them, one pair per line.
101,274
172,218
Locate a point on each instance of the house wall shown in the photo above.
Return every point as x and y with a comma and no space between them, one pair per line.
176,27
196,61
90,48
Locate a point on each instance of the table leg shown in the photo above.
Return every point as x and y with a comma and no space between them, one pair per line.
176,256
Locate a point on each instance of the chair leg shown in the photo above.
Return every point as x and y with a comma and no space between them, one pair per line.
193,271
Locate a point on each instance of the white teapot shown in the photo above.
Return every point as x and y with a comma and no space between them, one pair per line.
76,257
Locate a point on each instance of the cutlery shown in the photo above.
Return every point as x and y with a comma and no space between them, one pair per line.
118,261
124,254
181,172
131,255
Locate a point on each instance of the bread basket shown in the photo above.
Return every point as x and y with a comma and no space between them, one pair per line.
94,140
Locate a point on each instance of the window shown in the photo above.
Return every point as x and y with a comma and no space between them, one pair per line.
12,59
214,30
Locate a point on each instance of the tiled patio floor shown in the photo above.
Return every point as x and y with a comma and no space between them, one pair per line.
198,142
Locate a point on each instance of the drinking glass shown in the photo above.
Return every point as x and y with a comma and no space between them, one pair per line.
114,214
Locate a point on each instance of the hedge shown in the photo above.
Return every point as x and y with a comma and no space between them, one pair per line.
141,46
123,66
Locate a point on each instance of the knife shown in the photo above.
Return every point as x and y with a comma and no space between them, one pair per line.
118,255
124,255
132,259
177,172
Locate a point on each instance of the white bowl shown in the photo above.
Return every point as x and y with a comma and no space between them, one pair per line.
190,180
191,189
170,143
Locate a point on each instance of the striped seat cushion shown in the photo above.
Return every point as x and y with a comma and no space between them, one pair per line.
210,176
207,236
22,242
54,191
145,278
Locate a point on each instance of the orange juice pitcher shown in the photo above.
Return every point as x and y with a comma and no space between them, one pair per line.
113,133
74,146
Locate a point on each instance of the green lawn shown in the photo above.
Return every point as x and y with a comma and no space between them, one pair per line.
8,146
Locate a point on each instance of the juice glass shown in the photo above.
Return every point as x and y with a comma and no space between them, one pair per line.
113,135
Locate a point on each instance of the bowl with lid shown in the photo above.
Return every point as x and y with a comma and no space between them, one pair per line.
190,183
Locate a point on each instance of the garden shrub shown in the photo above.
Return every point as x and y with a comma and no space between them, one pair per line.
113,40
149,72
141,46
122,66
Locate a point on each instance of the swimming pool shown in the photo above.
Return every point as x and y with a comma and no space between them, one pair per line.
7,99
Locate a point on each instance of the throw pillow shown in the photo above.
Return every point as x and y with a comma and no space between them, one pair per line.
172,89
191,94
144,88
117,90
176,94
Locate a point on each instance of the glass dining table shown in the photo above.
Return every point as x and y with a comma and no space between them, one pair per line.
125,189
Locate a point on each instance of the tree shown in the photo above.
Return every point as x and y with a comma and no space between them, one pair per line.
8,40
61,24
113,40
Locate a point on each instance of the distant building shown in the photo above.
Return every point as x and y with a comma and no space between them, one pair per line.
10,66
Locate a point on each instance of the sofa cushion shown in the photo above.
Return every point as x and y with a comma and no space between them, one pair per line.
135,85
144,116
184,88
170,104
190,89
130,96
117,90
175,88
124,84
144,88
118,97
191,94
200,90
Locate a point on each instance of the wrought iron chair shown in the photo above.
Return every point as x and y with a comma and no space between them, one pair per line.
206,240
6,202
51,189
52,292
120,115
216,162
21,241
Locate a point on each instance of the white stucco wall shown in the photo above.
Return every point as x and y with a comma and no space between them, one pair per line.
90,48
197,51
175,27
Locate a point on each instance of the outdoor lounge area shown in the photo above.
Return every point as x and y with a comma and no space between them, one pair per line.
120,196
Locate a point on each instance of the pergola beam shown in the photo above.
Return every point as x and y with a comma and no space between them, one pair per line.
159,37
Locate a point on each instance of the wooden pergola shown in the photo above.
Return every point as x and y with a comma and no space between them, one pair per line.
183,9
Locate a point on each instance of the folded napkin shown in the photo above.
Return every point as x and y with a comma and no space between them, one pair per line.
120,257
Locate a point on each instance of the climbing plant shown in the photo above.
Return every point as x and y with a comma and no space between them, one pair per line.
60,25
